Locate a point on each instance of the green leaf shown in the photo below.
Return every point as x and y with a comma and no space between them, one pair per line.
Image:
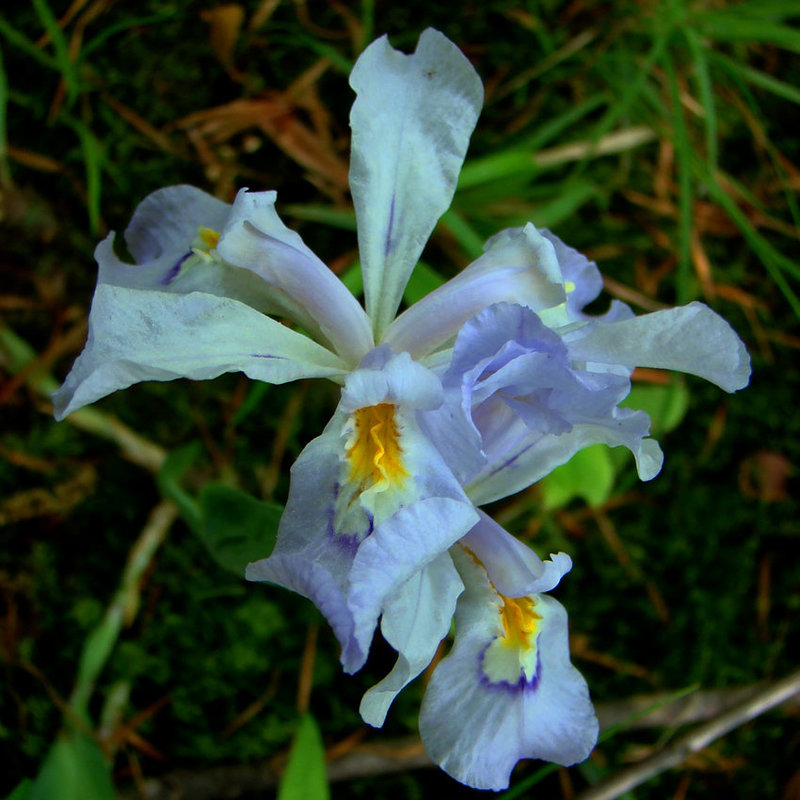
665,405
589,474
74,769
305,778
424,279
236,527
22,790
169,482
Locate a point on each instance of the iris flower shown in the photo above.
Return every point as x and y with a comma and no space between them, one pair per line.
473,393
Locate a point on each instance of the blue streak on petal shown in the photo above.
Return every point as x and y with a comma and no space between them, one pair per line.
175,270
387,245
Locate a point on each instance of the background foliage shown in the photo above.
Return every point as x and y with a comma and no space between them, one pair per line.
659,137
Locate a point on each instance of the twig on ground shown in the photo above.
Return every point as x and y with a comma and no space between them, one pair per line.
695,740
400,755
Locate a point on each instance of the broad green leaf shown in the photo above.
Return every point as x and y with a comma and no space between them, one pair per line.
589,474
424,279
305,778
665,405
236,527
74,769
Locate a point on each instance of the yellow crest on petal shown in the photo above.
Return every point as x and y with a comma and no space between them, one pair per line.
519,621
374,454
511,658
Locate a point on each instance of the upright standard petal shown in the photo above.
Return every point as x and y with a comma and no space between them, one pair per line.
371,503
507,689
138,334
411,125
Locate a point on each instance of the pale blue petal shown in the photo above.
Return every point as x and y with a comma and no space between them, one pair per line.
256,239
519,266
384,376
411,125
583,282
529,460
476,730
137,335
309,557
691,339
415,619
514,569
397,549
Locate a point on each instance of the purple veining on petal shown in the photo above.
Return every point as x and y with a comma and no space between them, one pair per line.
510,461
174,271
388,243
265,355
522,685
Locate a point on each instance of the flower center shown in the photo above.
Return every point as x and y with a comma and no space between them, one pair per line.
375,455
201,250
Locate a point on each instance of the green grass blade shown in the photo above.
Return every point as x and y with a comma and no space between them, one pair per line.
774,261
5,174
565,203
706,91
21,42
469,239
367,22
760,79
622,107
496,167
683,154
334,217
120,27
740,27
520,159
93,158
65,64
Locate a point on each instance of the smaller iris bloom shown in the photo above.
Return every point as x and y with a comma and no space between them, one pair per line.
469,395
525,390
